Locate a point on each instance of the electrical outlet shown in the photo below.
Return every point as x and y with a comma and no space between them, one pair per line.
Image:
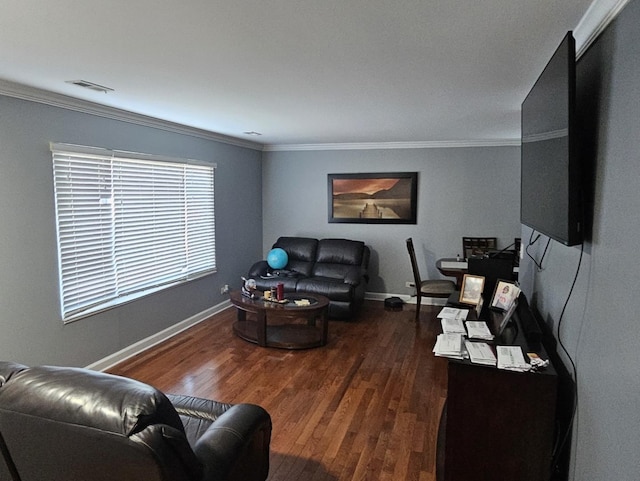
410,284
224,289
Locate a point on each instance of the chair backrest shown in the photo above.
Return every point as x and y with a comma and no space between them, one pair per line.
71,424
414,264
478,246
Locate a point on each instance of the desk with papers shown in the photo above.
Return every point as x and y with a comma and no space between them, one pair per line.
498,421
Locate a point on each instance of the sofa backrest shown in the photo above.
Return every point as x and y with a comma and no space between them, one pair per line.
301,252
341,259
75,424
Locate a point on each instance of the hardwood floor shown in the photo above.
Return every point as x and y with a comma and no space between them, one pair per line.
364,407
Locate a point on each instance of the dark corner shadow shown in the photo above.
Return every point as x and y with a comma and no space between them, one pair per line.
565,402
285,466
593,79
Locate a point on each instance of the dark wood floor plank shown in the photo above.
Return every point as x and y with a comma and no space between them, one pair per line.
364,407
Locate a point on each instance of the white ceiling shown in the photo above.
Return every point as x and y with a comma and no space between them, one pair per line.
297,71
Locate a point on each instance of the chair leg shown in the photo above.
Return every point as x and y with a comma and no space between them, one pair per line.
418,304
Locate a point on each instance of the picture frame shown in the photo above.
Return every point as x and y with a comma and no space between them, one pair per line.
471,292
373,198
505,295
506,318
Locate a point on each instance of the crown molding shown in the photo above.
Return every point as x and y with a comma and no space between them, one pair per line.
25,92
440,144
33,94
599,15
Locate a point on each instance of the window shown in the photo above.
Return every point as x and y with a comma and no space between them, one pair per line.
129,224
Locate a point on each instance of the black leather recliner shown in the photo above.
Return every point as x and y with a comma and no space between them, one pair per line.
335,268
73,424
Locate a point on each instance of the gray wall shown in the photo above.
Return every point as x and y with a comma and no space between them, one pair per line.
600,324
461,192
31,330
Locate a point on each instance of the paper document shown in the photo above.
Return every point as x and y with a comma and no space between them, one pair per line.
478,330
480,353
511,358
452,326
453,313
449,345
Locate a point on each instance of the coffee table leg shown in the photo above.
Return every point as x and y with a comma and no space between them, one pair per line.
261,327
325,326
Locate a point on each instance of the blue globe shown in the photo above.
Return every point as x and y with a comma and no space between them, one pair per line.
277,258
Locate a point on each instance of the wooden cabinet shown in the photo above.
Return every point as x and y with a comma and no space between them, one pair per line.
498,425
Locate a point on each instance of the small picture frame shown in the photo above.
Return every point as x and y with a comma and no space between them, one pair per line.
507,317
505,295
471,292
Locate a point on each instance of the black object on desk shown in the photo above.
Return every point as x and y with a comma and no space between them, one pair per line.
492,269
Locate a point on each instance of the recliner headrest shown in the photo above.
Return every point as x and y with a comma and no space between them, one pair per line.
340,251
298,248
8,369
81,396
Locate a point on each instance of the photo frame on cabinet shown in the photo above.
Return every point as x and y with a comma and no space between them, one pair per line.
471,292
373,198
504,295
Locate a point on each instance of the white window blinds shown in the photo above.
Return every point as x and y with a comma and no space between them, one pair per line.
129,224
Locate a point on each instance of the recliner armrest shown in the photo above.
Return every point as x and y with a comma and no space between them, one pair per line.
200,408
236,445
354,276
258,269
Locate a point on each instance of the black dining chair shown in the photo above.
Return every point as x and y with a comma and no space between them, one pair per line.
439,288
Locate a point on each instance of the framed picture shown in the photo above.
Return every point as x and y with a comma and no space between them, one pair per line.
507,317
471,292
504,295
378,198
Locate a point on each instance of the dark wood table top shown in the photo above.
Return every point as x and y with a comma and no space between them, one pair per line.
316,302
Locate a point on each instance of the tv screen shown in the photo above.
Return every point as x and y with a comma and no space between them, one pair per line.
550,176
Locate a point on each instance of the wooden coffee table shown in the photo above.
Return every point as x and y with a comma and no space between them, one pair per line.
271,324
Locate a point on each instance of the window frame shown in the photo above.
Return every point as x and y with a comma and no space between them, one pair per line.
129,225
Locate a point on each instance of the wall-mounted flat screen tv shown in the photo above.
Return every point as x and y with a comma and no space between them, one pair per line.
550,177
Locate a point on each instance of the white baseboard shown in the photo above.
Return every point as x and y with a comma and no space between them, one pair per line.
157,338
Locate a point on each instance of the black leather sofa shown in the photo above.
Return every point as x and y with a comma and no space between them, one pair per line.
335,268
72,424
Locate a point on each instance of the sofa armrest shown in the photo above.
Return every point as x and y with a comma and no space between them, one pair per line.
236,445
258,269
355,276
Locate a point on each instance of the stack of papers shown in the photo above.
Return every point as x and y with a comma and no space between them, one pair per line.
480,353
451,319
479,330
453,313
449,345
511,358
452,326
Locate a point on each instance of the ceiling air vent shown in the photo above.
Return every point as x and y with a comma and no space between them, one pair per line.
90,86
